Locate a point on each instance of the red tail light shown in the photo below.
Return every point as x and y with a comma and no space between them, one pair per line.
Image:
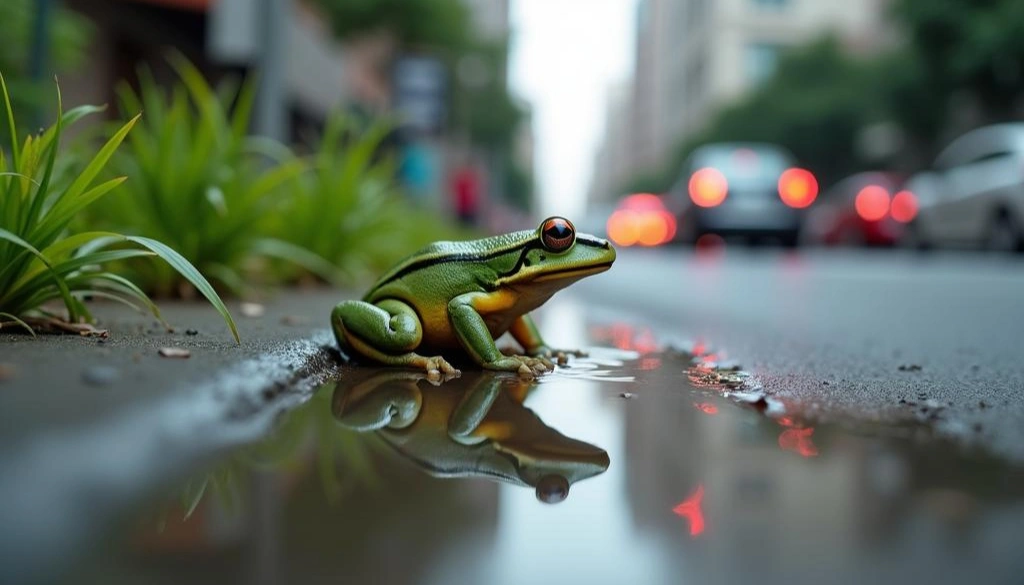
904,206
708,187
872,203
798,188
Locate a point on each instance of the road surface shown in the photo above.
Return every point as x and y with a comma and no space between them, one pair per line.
849,335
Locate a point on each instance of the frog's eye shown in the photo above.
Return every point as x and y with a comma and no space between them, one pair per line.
557,234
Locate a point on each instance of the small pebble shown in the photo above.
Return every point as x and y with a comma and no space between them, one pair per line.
292,320
910,368
6,372
174,352
100,375
191,332
252,309
627,395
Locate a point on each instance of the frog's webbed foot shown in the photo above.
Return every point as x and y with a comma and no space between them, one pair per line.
525,366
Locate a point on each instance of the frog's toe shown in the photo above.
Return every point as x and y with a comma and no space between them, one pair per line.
437,368
562,355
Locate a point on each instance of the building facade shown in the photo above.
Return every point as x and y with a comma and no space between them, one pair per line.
694,56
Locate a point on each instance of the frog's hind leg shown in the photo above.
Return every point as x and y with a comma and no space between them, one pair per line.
386,332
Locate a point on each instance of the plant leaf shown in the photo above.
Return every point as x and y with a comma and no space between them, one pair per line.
19,322
185,268
69,301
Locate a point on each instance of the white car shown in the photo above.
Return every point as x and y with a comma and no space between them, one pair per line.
974,194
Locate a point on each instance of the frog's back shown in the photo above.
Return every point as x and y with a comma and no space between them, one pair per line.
452,266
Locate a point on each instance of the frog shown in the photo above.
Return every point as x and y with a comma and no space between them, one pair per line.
473,426
458,297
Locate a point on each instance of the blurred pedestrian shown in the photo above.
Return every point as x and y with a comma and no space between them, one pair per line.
467,184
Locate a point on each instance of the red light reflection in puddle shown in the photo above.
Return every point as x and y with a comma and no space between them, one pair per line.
690,509
650,363
627,337
706,407
798,441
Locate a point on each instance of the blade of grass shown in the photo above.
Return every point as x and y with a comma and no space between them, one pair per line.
19,322
78,294
15,153
185,268
89,173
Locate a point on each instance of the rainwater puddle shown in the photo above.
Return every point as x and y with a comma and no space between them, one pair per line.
636,464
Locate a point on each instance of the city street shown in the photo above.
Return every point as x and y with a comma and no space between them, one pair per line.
848,334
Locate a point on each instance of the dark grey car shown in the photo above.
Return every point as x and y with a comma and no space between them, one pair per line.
741,189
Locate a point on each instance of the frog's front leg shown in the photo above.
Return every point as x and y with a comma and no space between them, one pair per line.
464,311
386,332
525,332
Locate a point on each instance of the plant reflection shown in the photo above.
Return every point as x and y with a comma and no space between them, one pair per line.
303,437
473,426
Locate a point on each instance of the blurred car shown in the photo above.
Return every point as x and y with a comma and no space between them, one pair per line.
641,219
869,209
743,189
974,193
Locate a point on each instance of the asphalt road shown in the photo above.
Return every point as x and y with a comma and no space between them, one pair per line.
854,336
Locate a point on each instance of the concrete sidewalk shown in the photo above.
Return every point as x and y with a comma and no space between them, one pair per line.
56,381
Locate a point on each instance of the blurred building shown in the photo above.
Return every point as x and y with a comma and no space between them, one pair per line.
616,156
693,56
286,40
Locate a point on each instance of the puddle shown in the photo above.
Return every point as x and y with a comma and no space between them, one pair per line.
634,464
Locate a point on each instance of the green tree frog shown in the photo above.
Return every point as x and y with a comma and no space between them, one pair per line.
461,296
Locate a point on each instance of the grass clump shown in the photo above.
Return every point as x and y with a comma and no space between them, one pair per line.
41,192
202,183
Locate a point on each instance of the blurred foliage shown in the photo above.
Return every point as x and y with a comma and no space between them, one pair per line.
200,182
347,207
41,193
69,36
435,24
975,46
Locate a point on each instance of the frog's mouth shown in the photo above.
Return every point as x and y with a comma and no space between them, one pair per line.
573,272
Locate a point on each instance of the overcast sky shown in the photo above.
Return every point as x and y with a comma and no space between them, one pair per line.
565,56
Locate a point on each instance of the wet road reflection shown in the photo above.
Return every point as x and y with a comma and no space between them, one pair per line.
385,477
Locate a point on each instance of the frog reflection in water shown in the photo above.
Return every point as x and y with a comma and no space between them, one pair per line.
458,297
473,426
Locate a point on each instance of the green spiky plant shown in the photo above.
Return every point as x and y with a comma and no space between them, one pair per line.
40,261
201,183
348,208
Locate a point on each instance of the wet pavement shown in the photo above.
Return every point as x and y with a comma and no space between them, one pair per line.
639,463
742,417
